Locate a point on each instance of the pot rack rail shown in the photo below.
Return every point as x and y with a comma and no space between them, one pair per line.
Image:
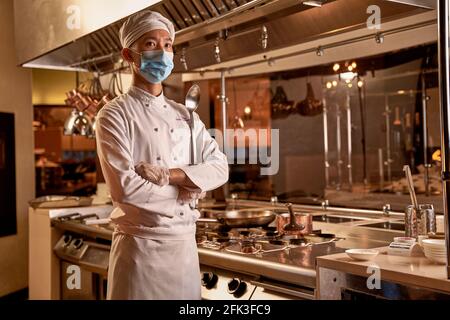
318,49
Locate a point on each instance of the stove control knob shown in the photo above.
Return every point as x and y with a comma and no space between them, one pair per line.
209,280
66,239
77,243
241,290
237,288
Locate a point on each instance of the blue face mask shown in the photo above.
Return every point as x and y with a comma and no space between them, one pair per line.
156,65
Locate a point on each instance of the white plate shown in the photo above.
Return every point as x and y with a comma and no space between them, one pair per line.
439,260
362,254
434,243
435,251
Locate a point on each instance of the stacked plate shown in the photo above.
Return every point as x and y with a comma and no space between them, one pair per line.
434,250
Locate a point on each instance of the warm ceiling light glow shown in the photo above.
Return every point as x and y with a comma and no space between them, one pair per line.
350,85
360,83
354,65
329,85
348,76
336,67
247,110
437,155
335,83
401,91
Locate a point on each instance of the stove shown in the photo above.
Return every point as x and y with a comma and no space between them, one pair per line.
235,264
259,263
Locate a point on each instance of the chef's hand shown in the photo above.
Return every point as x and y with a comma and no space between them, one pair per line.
185,195
155,174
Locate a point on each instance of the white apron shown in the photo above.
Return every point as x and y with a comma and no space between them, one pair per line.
154,253
146,269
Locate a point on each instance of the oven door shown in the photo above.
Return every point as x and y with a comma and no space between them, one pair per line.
78,283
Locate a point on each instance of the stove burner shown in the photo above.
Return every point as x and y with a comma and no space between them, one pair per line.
221,240
244,233
223,234
298,241
272,233
277,242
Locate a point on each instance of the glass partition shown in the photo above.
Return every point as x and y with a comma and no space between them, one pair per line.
341,131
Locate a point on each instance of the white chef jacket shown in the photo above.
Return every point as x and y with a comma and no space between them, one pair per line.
138,126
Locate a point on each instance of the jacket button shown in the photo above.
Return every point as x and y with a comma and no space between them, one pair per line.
181,214
158,158
164,106
171,130
156,129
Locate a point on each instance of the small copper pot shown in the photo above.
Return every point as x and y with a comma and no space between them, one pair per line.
301,218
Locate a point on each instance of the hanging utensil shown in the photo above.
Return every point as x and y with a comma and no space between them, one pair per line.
281,106
238,123
310,106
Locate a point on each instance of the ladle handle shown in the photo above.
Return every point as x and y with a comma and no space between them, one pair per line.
410,183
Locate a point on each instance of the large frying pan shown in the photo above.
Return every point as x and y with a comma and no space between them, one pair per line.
243,218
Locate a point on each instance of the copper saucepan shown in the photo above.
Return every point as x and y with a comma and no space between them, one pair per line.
284,219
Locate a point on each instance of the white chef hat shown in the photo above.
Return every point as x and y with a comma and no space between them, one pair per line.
142,22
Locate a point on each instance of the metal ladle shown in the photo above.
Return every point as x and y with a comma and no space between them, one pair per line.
191,103
410,183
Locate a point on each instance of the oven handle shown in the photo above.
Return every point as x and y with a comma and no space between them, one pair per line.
283,290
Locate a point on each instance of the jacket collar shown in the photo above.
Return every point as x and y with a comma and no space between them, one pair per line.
145,96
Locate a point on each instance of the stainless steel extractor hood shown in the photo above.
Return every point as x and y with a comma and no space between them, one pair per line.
83,34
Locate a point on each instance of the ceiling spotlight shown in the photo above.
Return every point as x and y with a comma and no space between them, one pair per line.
360,83
350,68
319,52
264,37
334,83
401,91
183,59
329,85
313,3
379,38
348,76
336,67
217,51
354,65
350,85
247,110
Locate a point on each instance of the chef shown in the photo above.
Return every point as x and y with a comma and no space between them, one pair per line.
143,143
